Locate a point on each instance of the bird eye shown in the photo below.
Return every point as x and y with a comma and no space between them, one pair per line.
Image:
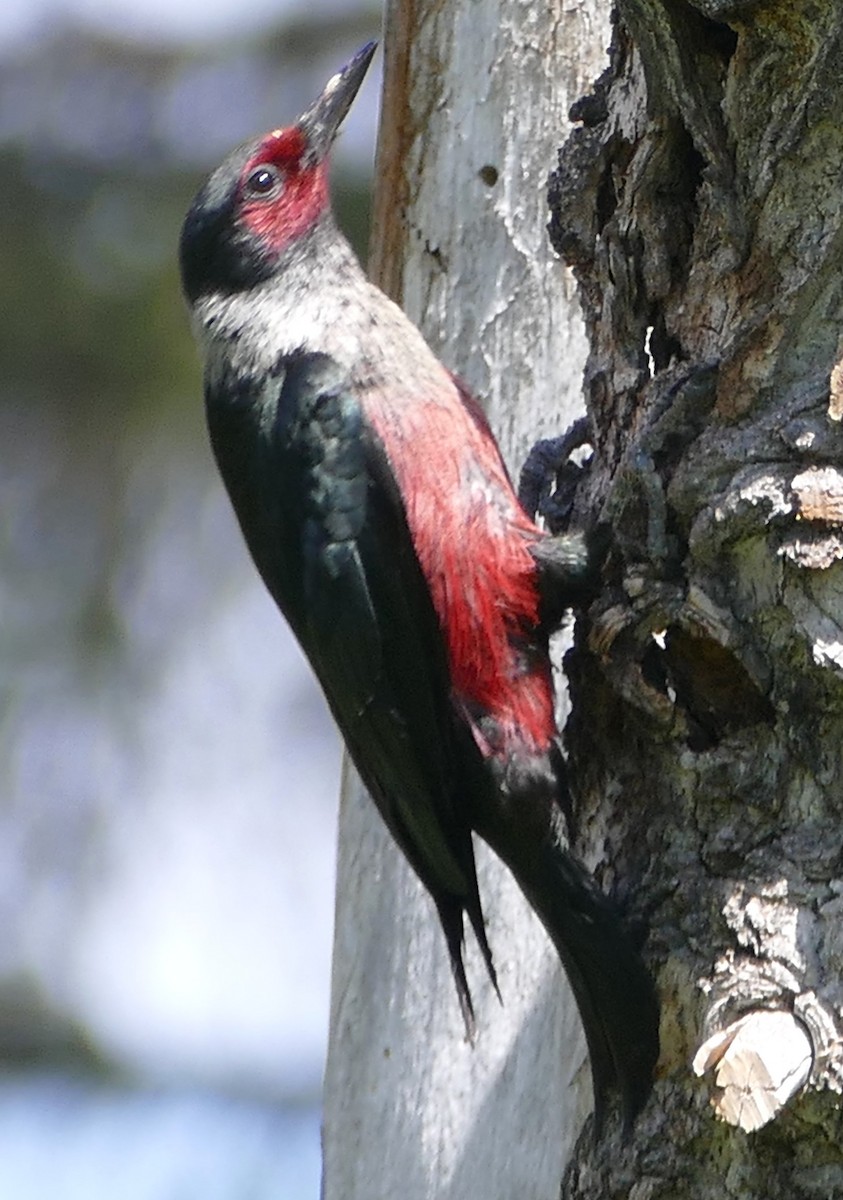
262,180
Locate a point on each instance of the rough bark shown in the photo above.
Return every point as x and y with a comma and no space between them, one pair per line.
699,203
475,97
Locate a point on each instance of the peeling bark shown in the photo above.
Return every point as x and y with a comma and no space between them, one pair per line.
700,204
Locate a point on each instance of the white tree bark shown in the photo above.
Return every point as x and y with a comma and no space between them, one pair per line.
475,106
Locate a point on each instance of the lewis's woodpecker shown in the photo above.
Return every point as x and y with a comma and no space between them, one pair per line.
378,510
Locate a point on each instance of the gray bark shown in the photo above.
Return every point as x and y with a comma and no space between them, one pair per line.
700,205
475,103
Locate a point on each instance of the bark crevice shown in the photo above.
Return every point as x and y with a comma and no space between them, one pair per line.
698,203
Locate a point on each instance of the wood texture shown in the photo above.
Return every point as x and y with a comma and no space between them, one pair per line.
475,104
699,203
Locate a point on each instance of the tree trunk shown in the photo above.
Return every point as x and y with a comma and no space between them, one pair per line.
475,102
699,203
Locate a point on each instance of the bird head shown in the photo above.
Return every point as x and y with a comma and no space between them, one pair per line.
267,195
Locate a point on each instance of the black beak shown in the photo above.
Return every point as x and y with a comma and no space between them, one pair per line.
322,120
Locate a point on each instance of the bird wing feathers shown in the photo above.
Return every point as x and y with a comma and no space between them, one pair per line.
321,511
332,545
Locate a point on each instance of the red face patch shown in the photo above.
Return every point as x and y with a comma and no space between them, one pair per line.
281,194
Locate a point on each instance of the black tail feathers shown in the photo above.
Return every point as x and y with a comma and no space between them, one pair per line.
451,909
613,989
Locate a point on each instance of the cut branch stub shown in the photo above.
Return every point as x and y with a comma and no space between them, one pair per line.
762,1058
759,1062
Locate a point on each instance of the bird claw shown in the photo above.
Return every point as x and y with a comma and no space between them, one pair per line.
549,480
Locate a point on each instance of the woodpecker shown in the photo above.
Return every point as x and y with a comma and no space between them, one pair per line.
378,510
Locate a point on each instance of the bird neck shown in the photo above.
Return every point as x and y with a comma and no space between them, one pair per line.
303,306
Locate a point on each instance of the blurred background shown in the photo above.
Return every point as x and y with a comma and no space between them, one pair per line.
168,772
